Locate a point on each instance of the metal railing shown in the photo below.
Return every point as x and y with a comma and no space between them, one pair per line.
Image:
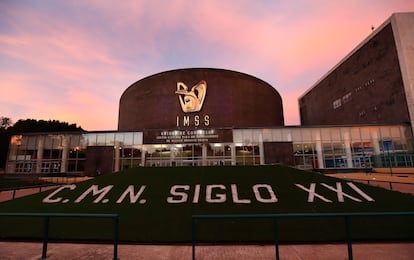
275,218
47,216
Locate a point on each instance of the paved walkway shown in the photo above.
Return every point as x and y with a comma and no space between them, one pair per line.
403,182
377,251
386,177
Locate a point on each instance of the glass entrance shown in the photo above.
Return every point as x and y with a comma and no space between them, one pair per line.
199,154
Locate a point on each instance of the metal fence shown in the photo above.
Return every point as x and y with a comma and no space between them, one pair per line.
47,217
276,217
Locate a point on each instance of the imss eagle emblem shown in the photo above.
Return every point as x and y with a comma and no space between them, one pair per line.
191,100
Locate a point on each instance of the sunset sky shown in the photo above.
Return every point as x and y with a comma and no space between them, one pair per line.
71,60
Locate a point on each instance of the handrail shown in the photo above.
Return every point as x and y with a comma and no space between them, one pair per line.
275,217
47,216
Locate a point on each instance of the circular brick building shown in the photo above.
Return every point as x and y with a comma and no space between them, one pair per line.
199,98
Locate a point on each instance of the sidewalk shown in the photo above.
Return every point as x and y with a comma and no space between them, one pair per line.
397,181
366,251
386,177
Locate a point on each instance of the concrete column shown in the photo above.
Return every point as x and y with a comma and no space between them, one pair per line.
348,151
142,156
12,156
117,148
376,148
233,154
204,154
318,147
172,155
375,142
39,155
403,30
65,154
261,149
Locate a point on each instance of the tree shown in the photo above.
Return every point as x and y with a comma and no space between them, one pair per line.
5,122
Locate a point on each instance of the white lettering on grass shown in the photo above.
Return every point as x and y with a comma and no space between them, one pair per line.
182,196
312,194
49,199
213,193
235,194
95,191
218,193
360,192
271,194
219,197
196,193
132,196
340,194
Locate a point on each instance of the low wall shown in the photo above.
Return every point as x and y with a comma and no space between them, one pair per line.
394,170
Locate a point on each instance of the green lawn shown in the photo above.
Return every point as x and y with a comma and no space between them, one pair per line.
155,206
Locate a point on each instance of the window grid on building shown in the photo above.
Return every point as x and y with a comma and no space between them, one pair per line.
312,148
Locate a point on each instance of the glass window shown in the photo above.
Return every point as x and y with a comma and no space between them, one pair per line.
395,132
385,132
247,154
327,148
339,148
297,148
386,145
399,145
267,135
227,150
355,133
306,134
119,137
366,133
31,142
309,148
286,135
277,135
247,136
48,143
136,151
336,134
316,134
128,138
84,141
325,134
100,139
237,136
296,135
138,138
216,150
110,139
256,135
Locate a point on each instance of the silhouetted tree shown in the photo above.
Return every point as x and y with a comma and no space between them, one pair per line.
5,122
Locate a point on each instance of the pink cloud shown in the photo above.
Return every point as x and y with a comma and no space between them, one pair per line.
69,67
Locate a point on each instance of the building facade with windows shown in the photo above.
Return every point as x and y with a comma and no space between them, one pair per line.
374,84
213,117
315,148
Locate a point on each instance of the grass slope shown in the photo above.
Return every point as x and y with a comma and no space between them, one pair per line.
151,219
